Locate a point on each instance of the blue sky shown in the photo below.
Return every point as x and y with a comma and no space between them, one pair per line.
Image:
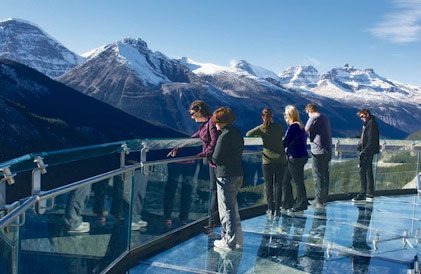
381,34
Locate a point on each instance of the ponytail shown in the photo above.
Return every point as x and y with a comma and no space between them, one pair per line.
266,117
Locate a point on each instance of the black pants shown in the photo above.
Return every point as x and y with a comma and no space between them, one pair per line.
213,208
100,196
320,169
295,171
183,173
366,174
273,175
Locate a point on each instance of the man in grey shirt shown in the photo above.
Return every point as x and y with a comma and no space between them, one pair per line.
318,128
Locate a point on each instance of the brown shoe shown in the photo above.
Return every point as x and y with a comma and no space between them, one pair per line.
209,228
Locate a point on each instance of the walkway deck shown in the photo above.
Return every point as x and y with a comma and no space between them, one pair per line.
336,239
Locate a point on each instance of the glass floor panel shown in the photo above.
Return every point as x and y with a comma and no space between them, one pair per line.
341,238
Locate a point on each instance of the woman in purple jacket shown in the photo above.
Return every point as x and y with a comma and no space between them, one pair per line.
295,143
200,113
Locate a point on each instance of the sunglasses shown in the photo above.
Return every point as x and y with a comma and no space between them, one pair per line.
192,113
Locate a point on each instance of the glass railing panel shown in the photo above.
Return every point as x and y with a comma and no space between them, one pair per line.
396,170
9,253
84,230
253,191
344,173
167,196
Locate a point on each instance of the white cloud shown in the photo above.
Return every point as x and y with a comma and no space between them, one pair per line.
313,61
402,25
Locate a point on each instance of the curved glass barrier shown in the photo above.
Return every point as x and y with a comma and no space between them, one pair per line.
96,203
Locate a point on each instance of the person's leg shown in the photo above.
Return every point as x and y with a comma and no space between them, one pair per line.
75,206
117,196
228,188
279,176
363,174
187,182
296,167
99,198
370,177
213,208
317,171
287,199
325,177
140,183
268,177
170,189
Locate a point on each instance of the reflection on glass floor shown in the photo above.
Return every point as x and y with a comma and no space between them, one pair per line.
379,237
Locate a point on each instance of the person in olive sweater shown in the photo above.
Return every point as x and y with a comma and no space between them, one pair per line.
229,175
273,159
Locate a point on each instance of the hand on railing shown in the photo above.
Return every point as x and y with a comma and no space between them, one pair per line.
173,152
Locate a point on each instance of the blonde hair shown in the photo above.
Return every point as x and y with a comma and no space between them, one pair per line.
292,116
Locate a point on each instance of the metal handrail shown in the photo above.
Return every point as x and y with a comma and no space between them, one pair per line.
15,213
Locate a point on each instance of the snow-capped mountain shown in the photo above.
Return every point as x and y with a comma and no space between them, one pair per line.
300,76
149,85
397,104
241,79
26,43
146,84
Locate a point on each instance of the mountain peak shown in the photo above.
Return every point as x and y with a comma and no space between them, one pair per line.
26,43
244,66
135,42
300,76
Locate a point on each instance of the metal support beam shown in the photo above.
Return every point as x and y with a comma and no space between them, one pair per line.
41,168
337,152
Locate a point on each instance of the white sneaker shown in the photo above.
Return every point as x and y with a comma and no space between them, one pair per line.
138,225
142,223
221,244
82,228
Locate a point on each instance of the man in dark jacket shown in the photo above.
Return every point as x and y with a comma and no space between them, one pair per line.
229,175
368,145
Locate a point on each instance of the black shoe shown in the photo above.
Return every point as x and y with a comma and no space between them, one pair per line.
359,197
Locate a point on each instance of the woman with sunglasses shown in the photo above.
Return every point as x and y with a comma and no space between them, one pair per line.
200,113
295,143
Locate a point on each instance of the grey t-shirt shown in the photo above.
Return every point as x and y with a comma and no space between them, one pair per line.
318,128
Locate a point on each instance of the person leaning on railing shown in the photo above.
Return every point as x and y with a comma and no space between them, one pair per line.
273,160
208,133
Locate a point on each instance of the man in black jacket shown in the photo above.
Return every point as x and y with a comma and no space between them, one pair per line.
368,146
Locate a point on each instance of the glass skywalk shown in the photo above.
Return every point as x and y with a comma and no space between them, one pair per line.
113,207
342,238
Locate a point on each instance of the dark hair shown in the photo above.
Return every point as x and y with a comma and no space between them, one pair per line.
223,115
311,107
364,111
267,117
201,107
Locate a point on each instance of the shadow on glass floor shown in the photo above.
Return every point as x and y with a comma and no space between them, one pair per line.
341,238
